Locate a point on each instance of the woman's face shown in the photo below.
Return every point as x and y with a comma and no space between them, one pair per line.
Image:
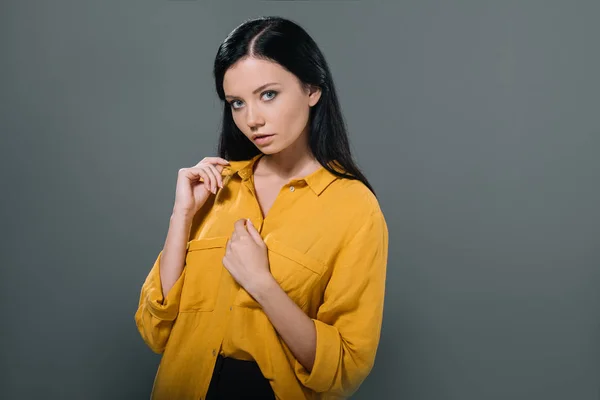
269,104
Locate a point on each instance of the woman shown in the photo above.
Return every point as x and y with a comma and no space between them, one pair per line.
271,280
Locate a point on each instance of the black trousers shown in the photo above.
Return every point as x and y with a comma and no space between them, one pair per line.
238,379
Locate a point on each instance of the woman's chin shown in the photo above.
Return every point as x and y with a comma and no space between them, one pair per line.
268,150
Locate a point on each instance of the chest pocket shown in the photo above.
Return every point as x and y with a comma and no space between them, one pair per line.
296,273
204,266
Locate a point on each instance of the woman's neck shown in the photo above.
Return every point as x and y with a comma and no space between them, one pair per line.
287,164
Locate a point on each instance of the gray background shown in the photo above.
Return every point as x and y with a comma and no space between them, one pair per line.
477,123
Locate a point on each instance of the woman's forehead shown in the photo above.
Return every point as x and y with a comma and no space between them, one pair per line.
248,74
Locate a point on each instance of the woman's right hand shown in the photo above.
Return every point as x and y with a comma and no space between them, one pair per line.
195,184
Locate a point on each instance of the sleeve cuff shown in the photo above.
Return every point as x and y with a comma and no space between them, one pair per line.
327,359
163,308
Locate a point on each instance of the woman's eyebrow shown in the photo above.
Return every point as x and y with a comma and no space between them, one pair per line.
258,89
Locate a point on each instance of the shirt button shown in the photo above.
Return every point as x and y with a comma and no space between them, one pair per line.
230,308
292,188
214,352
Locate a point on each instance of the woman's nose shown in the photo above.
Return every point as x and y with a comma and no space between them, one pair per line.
253,118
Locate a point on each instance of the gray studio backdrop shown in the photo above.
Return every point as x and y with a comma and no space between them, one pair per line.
476,121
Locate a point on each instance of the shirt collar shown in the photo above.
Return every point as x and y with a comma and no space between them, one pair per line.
317,180
242,168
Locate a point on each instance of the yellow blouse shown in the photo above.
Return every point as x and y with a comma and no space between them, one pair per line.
327,243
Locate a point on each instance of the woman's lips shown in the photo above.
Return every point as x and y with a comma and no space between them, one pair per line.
262,140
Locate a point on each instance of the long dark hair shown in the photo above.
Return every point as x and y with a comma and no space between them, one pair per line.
282,41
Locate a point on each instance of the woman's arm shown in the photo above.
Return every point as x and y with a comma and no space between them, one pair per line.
295,327
336,350
159,297
158,304
172,259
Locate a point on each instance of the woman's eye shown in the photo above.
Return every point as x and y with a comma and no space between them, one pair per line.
272,94
270,91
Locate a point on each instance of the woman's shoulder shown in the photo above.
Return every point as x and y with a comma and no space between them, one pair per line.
355,194
356,210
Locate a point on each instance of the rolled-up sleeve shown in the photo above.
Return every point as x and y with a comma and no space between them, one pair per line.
348,323
156,313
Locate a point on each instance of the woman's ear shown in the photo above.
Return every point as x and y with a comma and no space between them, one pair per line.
314,94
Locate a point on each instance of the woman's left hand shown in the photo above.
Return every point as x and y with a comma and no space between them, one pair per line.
246,257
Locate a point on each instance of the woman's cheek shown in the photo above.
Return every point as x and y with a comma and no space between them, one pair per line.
298,120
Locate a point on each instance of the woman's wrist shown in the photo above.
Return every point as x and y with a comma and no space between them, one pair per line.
263,288
182,215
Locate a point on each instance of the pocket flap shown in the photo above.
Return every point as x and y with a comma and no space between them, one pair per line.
208,243
295,255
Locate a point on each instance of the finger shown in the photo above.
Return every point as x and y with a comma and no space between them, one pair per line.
216,160
217,175
194,173
213,177
210,180
205,176
225,262
239,227
254,234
